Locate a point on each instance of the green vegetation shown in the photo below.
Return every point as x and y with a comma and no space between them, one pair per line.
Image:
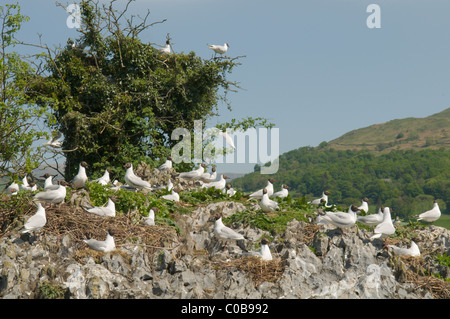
18,116
407,181
409,133
47,290
118,99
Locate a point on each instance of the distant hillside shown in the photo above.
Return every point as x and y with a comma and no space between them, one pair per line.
403,164
432,132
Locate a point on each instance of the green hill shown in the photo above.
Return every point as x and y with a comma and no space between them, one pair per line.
431,132
403,171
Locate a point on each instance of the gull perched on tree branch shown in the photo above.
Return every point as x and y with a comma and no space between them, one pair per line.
221,49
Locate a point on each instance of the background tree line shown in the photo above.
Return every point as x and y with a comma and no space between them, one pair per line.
407,181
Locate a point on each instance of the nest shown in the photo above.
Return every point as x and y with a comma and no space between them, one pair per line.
308,232
79,224
259,270
414,271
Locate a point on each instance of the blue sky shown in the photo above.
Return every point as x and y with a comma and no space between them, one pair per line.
312,67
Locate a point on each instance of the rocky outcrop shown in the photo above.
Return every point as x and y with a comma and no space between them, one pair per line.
324,265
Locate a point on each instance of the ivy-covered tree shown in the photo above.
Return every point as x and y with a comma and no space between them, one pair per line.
19,116
117,98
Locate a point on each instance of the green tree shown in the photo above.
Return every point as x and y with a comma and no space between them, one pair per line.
19,116
117,99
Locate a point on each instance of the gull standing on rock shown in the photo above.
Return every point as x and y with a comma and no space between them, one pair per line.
135,181
259,194
266,204
108,211
81,178
284,192
226,233
385,228
339,219
105,246
431,215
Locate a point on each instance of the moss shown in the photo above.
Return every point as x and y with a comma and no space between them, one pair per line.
48,290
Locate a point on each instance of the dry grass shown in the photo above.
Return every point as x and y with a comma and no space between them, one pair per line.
308,232
415,272
257,269
79,225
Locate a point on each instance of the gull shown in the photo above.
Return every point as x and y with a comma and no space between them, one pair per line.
264,253
269,187
174,196
105,179
53,195
108,211
413,250
209,177
322,199
364,205
165,49
221,49
266,204
134,181
167,165
372,219
283,193
28,186
265,250
48,180
35,222
150,220
169,185
220,184
117,186
103,246
12,188
432,214
225,233
54,141
81,178
339,219
385,228
195,174
230,190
